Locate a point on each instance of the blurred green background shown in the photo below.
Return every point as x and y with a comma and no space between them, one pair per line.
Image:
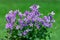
46,6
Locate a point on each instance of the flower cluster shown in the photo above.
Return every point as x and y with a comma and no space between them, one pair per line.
28,20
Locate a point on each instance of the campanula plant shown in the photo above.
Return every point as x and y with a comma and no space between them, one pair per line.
29,25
